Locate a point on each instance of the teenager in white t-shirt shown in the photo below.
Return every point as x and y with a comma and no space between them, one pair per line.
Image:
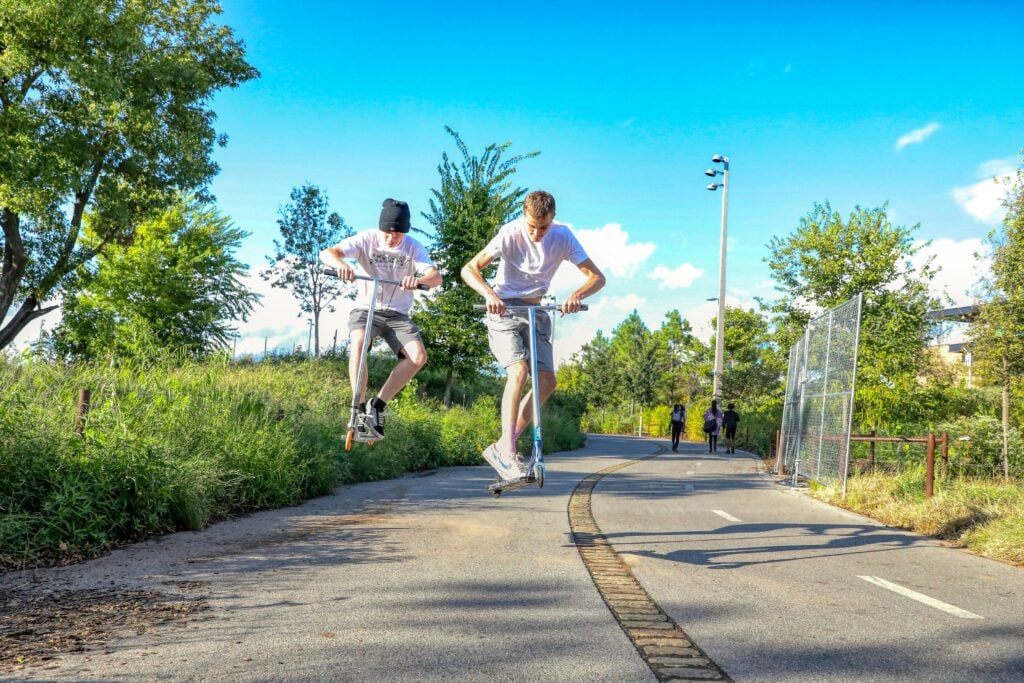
530,249
390,254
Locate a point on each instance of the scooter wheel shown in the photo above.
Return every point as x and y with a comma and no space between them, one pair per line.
369,443
497,494
538,472
348,439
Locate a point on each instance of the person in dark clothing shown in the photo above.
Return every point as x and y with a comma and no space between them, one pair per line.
730,420
678,419
713,425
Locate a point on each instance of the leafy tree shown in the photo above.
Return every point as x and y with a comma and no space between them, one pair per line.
998,335
176,286
307,230
635,351
475,198
829,260
104,110
680,360
751,371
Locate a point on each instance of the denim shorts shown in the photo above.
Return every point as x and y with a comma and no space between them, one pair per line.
395,328
508,336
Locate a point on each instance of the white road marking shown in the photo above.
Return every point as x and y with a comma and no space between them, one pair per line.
920,597
725,515
689,471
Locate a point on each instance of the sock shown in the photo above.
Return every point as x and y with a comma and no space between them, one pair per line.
377,403
362,407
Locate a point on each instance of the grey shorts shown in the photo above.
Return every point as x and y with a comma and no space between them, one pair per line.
509,337
397,329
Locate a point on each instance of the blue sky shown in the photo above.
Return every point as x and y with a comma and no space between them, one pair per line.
627,102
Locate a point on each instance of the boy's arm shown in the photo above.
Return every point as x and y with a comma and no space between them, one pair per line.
472,275
594,282
332,256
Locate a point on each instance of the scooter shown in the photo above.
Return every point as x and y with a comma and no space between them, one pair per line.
357,429
536,469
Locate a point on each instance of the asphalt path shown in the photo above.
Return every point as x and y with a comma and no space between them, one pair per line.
428,577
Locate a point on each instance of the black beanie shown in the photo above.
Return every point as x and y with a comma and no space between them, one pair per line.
394,216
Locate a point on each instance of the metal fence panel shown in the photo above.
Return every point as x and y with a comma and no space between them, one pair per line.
820,385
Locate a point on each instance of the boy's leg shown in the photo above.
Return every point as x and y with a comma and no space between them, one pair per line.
510,405
414,360
548,382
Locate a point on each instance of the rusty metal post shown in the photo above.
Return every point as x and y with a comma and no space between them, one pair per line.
945,452
84,397
871,451
929,475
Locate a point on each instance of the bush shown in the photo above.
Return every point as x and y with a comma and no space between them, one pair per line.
168,446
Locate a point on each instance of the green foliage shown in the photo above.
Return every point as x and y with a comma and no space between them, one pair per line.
104,110
176,286
826,262
475,198
307,229
177,446
635,351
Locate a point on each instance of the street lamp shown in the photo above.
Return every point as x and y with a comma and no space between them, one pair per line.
720,334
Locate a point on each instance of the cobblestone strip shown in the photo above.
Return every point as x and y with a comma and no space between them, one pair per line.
666,648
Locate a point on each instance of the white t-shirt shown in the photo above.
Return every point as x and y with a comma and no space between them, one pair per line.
375,259
526,267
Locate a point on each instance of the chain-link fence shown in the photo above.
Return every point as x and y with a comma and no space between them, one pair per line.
818,411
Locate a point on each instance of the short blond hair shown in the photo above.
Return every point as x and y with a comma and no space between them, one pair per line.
539,204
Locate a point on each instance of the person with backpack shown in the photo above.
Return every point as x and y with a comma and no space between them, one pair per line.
712,425
730,420
677,420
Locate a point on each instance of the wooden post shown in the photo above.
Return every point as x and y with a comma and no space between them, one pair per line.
871,451
945,452
929,475
84,397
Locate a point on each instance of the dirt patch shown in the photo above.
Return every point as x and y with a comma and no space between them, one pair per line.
37,625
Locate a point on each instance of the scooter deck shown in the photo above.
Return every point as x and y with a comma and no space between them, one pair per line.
511,484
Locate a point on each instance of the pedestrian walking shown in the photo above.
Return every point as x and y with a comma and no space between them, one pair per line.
730,420
677,420
713,425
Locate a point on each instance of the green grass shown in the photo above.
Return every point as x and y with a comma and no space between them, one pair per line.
985,516
169,447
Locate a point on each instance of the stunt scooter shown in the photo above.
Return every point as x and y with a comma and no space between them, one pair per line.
536,468
356,419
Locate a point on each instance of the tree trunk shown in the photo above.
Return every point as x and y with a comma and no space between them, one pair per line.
21,319
316,334
449,381
1006,428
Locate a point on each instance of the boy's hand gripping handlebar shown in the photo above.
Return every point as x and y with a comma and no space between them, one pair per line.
327,270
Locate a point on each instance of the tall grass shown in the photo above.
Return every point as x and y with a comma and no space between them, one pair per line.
176,446
984,515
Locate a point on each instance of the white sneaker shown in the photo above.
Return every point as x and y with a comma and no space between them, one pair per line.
506,467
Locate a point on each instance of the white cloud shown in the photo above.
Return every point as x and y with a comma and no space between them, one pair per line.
984,200
917,135
675,278
610,250
959,272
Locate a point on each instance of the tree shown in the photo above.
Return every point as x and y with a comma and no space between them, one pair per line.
475,198
998,335
176,286
307,230
827,261
750,371
104,109
634,349
679,361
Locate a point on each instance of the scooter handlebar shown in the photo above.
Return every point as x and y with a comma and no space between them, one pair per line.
327,270
539,307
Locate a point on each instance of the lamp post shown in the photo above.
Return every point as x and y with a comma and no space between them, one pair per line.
720,334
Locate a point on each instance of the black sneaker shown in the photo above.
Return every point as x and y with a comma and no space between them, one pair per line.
375,418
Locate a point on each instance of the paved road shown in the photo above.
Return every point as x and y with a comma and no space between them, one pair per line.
429,578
